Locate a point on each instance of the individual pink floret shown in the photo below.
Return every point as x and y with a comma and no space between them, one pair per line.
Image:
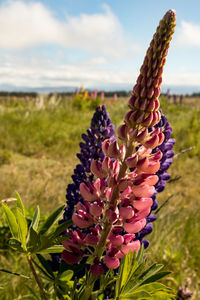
134,226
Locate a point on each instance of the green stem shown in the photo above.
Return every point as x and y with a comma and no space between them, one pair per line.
36,277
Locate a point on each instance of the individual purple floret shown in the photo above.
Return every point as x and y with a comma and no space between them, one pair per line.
165,162
101,128
166,149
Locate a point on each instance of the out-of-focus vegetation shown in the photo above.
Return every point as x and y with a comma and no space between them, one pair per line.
39,139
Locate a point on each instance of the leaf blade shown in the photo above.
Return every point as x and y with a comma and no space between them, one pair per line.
20,203
51,220
53,249
36,219
22,227
11,220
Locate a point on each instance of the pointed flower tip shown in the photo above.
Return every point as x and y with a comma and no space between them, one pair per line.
171,13
170,16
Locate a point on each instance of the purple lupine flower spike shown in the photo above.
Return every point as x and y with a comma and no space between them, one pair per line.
101,128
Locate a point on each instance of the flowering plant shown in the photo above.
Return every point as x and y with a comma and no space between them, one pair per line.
110,203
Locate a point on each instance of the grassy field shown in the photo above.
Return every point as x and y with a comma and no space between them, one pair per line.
38,146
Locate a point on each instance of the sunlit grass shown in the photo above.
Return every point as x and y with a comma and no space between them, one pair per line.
42,143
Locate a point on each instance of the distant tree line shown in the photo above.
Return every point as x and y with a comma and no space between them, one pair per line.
18,94
106,94
196,94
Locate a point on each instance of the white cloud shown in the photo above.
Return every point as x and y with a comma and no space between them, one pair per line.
41,72
28,24
182,77
188,34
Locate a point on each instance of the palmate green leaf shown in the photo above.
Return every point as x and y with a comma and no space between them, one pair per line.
53,249
51,220
154,287
140,255
19,203
22,227
137,280
156,277
11,220
163,295
133,281
36,219
155,291
137,263
136,295
128,266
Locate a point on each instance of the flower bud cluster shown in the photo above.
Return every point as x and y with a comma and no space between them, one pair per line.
144,103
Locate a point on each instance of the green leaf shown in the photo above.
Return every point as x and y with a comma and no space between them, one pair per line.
45,265
33,240
154,269
129,264
53,249
23,228
66,275
156,277
51,220
160,295
11,220
133,282
15,245
154,287
136,295
60,228
140,254
137,280
36,219
19,203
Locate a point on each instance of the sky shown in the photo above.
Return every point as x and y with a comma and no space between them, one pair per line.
97,44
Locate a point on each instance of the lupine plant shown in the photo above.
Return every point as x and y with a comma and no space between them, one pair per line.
116,205
109,205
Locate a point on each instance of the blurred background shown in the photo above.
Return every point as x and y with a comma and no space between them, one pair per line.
61,45
60,59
